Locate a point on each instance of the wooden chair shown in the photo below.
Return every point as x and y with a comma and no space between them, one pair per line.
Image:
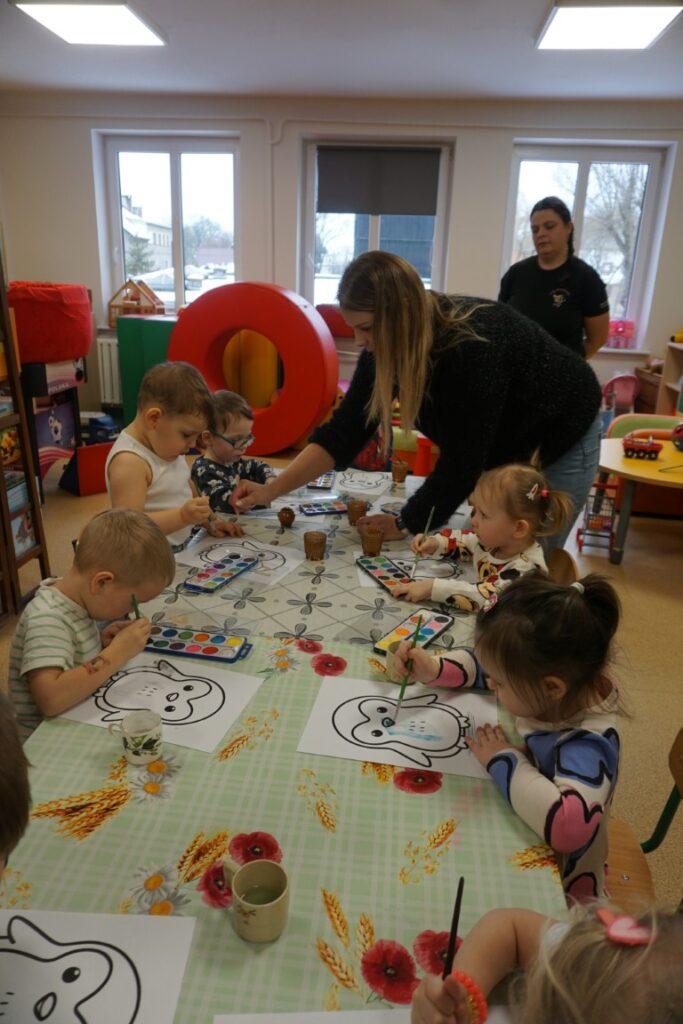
629,880
561,566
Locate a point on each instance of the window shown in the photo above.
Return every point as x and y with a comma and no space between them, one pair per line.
614,194
372,197
171,214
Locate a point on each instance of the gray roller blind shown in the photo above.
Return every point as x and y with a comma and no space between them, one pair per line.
386,180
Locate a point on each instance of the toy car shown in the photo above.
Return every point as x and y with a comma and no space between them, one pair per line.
641,447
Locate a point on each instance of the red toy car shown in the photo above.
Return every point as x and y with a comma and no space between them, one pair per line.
641,447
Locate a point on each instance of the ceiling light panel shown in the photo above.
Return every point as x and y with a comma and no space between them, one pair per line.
606,27
105,24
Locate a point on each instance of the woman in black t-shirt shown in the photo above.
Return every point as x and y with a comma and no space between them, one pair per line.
555,288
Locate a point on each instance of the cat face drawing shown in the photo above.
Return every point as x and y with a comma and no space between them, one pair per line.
180,699
42,979
424,731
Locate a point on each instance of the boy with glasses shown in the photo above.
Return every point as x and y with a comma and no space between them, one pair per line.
217,472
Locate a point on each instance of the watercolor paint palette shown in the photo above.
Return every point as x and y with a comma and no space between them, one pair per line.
432,625
185,642
322,483
217,574
322,508
383,571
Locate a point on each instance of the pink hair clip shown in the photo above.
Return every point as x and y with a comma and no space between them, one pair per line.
624,929
532,494
490,603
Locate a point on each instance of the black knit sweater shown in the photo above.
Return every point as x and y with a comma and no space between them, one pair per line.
487,402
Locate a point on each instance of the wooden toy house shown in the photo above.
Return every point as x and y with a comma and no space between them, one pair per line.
134,297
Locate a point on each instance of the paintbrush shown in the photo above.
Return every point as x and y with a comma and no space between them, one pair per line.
409,665
136,606
424,538
450,952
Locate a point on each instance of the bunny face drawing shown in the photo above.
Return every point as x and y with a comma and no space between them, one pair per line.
180,699
84,982
425,730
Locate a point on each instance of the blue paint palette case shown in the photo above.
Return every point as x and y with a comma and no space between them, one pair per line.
322,483
185,642
432,625
217,574
322,508
383,571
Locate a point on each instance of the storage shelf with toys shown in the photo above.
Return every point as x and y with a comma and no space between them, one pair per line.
23,538
669,396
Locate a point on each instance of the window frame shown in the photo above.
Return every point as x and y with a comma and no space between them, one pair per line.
307,236
175,145
657,155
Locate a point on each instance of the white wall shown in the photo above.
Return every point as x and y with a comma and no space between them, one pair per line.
49,192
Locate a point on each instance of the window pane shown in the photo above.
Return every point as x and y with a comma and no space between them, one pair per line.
145,196
412,237
538,179
337,240
611,222
208,221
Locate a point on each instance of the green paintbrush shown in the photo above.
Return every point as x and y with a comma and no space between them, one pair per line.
424,537
136,606
409,665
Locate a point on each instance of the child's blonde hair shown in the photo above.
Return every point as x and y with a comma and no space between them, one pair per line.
587,978
524,493
178,389
538,628
15,794
128,544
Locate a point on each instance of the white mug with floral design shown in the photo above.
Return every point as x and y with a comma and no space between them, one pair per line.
260,905
140,733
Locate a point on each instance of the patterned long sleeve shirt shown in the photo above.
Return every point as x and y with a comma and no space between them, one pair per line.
493,572
562,785
218,481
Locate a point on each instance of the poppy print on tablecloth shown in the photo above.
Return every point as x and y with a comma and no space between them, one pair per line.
309,646
389,970
430,950
328,664
246,847
214,888
413,780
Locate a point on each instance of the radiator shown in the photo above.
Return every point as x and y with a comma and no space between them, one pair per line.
110,377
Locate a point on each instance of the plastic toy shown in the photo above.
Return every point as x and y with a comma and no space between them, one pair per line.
598,518
641,447
677,436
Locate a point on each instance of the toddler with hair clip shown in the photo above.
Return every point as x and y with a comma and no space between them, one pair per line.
602,967
512,506
544,648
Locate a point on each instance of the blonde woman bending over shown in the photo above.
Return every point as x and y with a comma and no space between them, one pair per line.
486,384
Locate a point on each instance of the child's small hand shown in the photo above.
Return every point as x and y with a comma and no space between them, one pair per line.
131,640
488,741
224,528
420,590
425,667
439,1002
420,546
110,631
195,511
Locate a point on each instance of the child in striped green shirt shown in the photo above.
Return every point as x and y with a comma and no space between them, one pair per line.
58,655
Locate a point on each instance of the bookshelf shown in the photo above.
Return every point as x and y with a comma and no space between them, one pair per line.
23,537
670,394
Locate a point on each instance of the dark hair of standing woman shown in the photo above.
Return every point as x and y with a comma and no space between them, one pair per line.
563,212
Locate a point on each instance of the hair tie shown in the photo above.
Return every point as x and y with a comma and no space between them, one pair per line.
477,1006
545,492
579,586
624,929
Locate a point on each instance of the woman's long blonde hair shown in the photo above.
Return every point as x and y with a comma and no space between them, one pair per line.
406,320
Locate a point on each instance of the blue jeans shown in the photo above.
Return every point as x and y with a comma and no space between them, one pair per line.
574,473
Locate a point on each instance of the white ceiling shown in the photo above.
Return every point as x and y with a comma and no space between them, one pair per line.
417,48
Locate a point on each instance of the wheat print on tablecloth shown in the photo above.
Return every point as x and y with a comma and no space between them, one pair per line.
538,856
200,854
382,773
424,857
81,815
249,734
321,799
15,891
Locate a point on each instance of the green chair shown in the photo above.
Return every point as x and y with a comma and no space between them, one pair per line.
629,880
622,425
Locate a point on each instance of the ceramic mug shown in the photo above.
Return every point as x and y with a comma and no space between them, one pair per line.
260,898
140,732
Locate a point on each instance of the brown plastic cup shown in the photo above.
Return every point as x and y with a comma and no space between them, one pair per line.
399,471
355,508
371,538
314,545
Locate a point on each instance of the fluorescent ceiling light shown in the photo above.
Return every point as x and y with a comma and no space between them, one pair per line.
605,26
98,24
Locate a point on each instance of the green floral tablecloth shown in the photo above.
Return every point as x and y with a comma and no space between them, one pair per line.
373,852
